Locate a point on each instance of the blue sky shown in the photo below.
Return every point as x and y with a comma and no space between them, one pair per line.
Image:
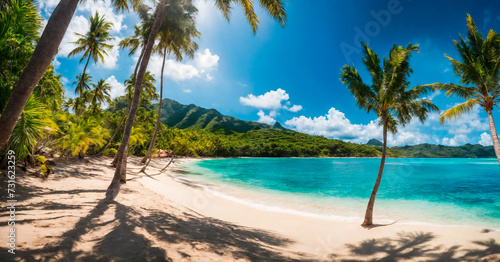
291,74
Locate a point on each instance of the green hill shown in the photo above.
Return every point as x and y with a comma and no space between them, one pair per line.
177,115
428,150
375,142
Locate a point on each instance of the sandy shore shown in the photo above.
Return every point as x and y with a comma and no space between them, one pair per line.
165,217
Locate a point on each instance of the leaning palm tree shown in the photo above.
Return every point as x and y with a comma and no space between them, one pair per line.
275,8
175,37
389,96
479,68
45,51
93,44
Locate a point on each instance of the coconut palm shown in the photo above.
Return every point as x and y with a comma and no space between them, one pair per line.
93,43
275,9
175,37
44,52
389,96
100,93
82,83
480,69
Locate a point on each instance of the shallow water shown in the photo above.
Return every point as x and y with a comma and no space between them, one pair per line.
439,191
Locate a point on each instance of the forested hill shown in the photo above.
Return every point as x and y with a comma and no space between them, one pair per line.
175,114
429,150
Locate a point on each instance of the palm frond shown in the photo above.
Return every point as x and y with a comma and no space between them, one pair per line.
458,110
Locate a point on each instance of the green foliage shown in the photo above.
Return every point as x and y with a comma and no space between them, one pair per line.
110,152
427,150
32,124
79,137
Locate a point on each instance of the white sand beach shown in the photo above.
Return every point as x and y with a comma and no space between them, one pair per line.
165,217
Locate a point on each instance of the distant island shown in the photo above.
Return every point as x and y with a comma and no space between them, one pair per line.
227,136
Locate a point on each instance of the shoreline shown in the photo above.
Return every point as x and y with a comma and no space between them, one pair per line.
161,216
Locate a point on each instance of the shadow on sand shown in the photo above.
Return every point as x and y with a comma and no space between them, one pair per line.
410,246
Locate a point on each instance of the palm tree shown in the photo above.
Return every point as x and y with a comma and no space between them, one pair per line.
175,36
93,43
275,8
480,68
82,83
44,52
389,97
100,93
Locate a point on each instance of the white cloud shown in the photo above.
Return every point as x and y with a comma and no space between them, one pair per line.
178,71
336,125
295,108
64,80
110,60
485,139
206,61
269,100
241,84
186,90
117,88
79,24
456,140
433,95
48,4
266,119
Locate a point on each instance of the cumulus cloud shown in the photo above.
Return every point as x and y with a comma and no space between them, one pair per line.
105,9
294,108
269,100
206,61
485,139
178,71
467,123
336,125
266,119
456,140
117,88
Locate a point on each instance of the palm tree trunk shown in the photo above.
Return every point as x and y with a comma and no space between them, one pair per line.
368,223
153,140
494,136
121,169
115,160
40,60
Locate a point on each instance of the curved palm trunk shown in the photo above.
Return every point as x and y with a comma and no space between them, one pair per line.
153,140
121,168
494,136
368,222
115,160
40,60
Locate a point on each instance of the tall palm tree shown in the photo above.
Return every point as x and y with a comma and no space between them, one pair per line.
275,8
389,96
175,37
100,93
479,68
93,44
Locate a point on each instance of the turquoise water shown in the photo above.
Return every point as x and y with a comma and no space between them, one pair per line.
439,191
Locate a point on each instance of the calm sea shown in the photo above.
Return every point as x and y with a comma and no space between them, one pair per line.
436,191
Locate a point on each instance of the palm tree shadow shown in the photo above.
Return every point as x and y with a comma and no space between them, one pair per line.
124,242
416,245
